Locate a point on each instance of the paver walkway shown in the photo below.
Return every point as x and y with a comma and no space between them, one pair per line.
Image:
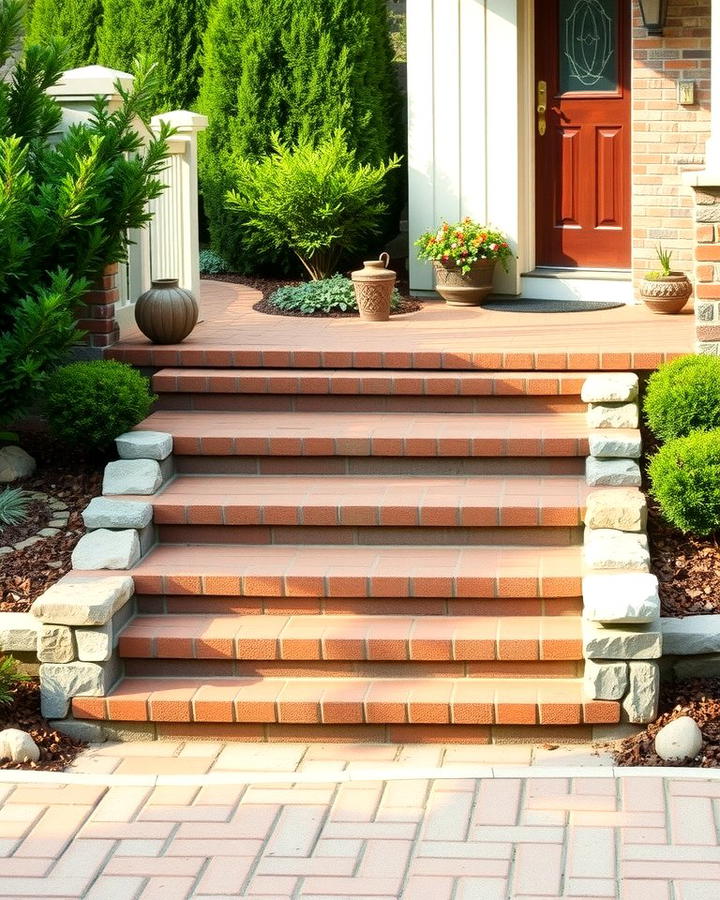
520,834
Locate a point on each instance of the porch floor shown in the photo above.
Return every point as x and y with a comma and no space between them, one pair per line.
231,333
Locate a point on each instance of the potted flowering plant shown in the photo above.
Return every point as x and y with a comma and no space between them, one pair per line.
464,256
665,291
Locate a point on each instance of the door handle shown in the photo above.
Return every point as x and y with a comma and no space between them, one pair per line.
541,107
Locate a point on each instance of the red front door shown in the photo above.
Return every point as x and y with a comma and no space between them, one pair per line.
582,163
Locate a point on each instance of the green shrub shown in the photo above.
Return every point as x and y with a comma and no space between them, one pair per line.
316,201
74,21
10,677
14,504
685,480
211,263
684,396
304,70
91,403
335,294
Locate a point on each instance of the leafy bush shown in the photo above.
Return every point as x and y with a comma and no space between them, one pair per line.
683,396
91,403
74,21
211,263
685,480
316,201
13,506
303,70
10,677
335,294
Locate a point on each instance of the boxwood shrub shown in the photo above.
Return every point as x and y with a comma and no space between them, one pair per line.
684,396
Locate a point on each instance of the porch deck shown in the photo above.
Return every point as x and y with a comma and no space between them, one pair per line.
231,333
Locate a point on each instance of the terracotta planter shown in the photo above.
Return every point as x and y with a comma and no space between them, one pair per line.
458,289
666,294
166,313
374,285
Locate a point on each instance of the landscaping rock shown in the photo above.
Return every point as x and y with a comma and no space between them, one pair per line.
691,636
60,683
144,445
104,549
55,644
613,415
18,632
612,472
622,510
606,548
97,644
611,443
132,476
88,732
609,387
18,746
605,680
15,463
83,601
640,704
617,642
621,599
104,513
679,740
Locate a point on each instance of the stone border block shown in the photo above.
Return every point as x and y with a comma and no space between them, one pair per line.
18,632
606,548
691,636
621,599
84,601
606,680
132,476
97,644
104,513
60,683
105,549
144,445
640,704
610,387
55,644
618,642
613,443
613,415
622,510
612,472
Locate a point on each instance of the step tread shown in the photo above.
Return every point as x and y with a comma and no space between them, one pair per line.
361,637
368,382
513,500
372,433
350,701
360,571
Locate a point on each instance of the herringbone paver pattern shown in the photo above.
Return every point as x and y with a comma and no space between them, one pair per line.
456,838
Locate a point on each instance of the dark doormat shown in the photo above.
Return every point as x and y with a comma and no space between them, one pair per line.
530,305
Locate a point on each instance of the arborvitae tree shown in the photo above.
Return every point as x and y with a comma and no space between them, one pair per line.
168,32
75,21
302,69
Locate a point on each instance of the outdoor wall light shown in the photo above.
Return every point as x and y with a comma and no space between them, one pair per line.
654,13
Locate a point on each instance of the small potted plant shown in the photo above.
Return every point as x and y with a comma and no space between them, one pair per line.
464,256
665,291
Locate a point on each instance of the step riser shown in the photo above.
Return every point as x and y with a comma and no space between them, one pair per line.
332,403
412,606
363,465
371,536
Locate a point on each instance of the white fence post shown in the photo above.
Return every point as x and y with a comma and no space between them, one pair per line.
174,237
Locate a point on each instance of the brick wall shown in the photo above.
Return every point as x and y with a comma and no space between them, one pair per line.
97,314
707,270
668,139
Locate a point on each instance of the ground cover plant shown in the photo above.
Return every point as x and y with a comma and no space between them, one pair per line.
329,295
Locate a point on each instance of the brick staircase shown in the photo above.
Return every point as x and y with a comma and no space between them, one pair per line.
363,554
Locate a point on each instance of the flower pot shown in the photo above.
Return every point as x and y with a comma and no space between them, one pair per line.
666,294
374,285
460,289
166,313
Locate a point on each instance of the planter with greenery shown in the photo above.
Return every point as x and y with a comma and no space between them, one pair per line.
464,256
665,291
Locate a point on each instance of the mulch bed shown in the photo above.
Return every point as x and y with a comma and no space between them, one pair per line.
57,750
265,306
697,698
38,516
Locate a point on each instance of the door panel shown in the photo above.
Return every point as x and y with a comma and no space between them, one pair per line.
582,160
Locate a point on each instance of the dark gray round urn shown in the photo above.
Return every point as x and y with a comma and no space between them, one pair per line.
167,313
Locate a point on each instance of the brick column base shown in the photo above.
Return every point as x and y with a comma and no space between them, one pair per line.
707,270
96,316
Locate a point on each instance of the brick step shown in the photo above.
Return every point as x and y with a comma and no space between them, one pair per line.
372,434
389,638
358,571
463,701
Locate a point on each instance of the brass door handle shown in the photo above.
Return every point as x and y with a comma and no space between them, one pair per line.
542,106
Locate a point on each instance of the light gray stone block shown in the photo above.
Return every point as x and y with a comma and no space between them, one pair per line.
55,644
88,601
615,443
97,644
640,704
18,746
104,513
88,732
613,415
621,599
144,445
691,636
605,680
678,740
696,666
15,463
622,642
612,472
60,683
132,476
105,549
18,632
622,510
606,548
610,387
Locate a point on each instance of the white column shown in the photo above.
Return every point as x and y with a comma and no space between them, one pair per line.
77,89
174,233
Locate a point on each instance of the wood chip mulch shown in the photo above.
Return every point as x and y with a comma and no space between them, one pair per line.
57,750
698,698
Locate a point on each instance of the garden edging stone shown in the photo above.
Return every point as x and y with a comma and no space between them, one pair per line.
613,415
612,472
691,636
132,476
102,512
609,387
84,601
105,549
18,632
623,598
607,548
156,445
623,510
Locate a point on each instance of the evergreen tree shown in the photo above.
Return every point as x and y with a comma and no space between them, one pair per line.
303,70
75,21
